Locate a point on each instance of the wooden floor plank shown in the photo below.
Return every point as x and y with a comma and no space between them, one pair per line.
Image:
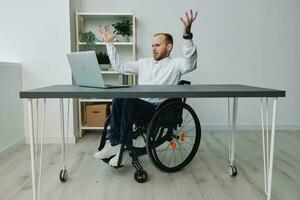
205,178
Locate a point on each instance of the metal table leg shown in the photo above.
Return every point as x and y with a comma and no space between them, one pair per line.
232,137
34,151
268,143
63,174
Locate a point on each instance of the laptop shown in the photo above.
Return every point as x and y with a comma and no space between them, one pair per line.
86,70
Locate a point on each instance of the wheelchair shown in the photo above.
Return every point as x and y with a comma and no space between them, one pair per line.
171,138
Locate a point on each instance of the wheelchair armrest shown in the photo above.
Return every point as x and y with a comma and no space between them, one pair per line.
184,82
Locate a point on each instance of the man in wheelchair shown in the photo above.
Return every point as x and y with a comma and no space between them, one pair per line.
162,69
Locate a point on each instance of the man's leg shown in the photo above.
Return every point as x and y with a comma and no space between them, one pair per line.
111,148
130,108
115,121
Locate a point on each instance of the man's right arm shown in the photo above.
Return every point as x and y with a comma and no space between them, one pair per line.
125,68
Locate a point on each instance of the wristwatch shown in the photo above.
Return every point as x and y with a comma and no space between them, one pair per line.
188,36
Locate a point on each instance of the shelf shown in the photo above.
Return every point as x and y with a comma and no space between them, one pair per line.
92,15
96,100
84,127
110,72
115,43
92,128
104,14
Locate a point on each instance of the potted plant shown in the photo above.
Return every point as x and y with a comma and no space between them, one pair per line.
123,29
103,60
88,37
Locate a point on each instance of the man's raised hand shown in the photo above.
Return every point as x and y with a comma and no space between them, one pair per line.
107,36
188,21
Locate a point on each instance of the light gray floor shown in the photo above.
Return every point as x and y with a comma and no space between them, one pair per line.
205,178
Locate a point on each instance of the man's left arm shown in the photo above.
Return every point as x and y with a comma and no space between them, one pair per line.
190,56
189,62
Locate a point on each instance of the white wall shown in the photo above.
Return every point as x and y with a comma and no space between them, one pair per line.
37,34
246,42
11,108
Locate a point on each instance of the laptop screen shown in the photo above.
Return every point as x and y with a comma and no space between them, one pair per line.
85,69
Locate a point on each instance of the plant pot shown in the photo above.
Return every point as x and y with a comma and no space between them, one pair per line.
121,38
105,67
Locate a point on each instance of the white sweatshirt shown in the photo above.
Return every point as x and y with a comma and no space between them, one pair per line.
167,71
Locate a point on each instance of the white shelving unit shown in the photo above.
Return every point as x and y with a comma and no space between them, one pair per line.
90,21
116,43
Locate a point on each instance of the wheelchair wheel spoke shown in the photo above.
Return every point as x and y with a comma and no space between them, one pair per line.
183,121
185,118
162,150
171,158
190,129
165,153
175,157
185,150
186,124
180,150
188,136
185,142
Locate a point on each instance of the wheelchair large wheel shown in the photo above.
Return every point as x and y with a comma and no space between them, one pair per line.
173,137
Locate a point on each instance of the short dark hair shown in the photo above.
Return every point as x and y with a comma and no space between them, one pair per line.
168,37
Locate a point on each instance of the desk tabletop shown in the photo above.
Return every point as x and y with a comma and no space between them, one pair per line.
152,91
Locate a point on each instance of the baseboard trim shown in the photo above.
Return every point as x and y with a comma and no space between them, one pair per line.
249,127
12,146
77,137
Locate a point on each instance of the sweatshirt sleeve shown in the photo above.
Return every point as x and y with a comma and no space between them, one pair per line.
189,61
125,68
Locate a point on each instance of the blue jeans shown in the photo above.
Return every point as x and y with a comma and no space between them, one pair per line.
123,114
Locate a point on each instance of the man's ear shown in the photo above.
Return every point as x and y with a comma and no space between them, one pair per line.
169,46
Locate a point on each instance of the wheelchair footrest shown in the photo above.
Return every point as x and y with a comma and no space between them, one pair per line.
106,160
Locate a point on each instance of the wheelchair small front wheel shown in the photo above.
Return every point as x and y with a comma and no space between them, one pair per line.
141,176
173,137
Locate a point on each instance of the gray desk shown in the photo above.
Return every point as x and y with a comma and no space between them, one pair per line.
231,92
153,91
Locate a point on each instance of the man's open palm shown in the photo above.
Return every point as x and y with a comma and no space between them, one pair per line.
107,36
188,21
